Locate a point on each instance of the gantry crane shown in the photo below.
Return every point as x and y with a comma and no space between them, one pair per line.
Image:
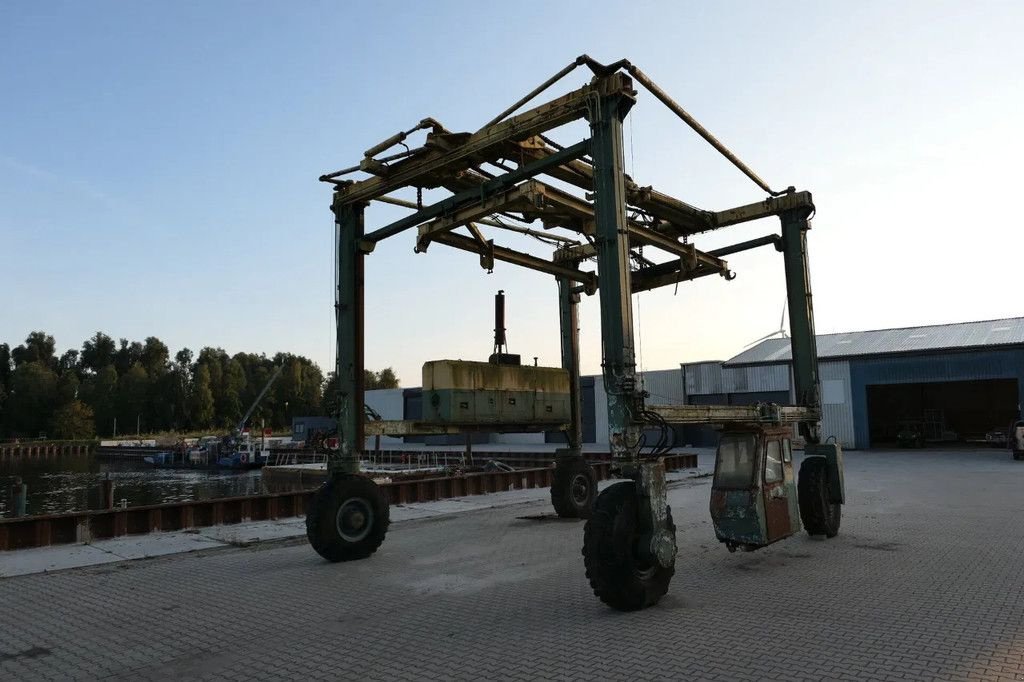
495,174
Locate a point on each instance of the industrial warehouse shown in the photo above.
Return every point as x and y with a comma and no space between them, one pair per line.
952,382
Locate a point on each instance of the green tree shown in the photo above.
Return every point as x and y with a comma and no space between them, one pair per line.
132,387
126,356
331,398
5,364
299,390
5,380
385,378
97,352
230,407
38,347
99,392
213,359
155,357
202,399
183,358
68,363
175,391
67,388
73,421
32,397
155,360
258,370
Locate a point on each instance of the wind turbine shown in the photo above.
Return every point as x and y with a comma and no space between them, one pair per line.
781,331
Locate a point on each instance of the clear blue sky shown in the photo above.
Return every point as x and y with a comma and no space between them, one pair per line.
159,163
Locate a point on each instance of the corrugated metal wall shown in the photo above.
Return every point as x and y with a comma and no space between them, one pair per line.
755,378
702,378
665,387
837,403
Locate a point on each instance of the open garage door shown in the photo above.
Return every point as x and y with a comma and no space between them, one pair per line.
946,412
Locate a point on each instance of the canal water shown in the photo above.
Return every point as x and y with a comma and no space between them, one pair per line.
74,483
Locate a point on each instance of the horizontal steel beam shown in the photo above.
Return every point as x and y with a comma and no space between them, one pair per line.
687,252
656,277
672,272
458,241
763,209
772,239
730,414
488,188
512,199
682,218
550,115
485,221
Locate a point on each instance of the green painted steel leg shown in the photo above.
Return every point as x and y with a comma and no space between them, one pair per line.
656,538
570,332
349,312
795,225
624,399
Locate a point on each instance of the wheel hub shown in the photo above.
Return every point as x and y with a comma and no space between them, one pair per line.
354,519
579,488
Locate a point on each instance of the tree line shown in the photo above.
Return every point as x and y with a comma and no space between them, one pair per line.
131,386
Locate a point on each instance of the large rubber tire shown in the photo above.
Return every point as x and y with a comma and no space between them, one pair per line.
574,489
347,519
819,516
618,576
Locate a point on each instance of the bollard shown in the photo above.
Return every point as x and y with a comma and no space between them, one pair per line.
108,493
19,495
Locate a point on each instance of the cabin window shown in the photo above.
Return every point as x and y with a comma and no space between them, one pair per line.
773,462
787,451
736,459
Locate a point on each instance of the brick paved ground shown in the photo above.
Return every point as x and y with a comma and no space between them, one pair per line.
924,582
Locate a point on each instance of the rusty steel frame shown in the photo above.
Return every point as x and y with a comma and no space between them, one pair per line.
614,219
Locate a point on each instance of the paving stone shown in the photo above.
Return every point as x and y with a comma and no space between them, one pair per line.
923,583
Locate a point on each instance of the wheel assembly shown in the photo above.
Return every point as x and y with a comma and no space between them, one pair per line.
622,570
347,518
819,515
574,489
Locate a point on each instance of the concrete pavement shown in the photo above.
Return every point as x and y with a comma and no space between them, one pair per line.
924,582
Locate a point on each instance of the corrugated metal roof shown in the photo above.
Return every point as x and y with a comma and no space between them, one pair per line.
987,333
